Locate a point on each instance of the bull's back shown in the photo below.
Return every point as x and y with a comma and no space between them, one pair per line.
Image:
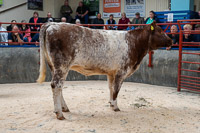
104,50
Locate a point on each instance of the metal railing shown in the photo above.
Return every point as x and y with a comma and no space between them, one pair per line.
187,81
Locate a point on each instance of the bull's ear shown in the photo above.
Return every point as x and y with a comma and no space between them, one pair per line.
153,26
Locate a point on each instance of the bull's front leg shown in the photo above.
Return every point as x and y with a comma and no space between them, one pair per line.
115,86
110,85
57,84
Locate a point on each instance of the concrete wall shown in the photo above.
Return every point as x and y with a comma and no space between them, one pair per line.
20,65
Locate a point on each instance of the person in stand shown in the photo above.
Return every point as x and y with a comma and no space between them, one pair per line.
123,20
130,27
15,38
138,20
98,20
49,18
3,36
9,28
64,20
66,11
111,21
174,37
151,18
187,37
197,36
35,19
25,31
82,12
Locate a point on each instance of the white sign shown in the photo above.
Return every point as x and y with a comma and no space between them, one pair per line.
133,6
170,17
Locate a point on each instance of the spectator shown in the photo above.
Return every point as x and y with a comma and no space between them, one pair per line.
197,15
64,20
197,36
9,28
3,36
130,27
35,19
151,18
98,20
77,21
174,37
111,21
36,38
123,20
138,20
82,12
187,37
15,36
66,11
49,18
25,28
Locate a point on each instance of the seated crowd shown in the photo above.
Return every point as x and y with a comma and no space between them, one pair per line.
21,33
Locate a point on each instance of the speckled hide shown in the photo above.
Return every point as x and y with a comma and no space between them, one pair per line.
116,54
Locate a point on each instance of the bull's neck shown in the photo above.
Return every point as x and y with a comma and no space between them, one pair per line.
139,40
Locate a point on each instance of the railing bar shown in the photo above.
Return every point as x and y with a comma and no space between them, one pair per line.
190,62
190,86
190,70
190,89
190,80
185,76
198,85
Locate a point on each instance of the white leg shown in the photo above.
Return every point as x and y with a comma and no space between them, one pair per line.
110,85
64,105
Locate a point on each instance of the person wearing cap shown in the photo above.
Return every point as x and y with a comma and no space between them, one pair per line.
197,36
138,20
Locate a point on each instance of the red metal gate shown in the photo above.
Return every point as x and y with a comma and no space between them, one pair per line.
186,78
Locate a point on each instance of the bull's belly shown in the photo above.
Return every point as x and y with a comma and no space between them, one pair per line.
88,71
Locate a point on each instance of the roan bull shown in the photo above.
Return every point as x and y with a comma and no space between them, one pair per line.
116,54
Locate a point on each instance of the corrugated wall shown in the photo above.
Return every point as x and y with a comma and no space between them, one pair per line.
156,5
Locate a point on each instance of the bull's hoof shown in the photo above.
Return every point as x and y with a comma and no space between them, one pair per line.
111,105
65,110
61,118
117,109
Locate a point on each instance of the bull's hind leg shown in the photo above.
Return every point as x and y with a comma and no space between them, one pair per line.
57,84
64,105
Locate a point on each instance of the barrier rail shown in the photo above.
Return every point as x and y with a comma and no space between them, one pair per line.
187,81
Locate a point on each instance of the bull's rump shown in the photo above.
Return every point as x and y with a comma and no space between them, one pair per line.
96,51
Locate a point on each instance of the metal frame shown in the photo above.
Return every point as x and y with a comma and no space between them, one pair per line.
185,81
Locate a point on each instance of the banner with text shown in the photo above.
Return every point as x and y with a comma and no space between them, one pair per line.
133,6
111,7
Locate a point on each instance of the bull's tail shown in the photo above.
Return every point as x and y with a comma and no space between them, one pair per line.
42,71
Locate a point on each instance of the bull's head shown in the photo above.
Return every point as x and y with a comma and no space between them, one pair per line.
157,37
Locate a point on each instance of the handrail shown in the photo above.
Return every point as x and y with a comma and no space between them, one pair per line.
8,9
